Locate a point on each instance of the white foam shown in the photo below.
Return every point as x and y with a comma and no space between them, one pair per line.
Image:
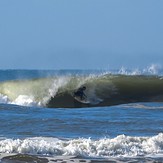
121,145
3,99
25,100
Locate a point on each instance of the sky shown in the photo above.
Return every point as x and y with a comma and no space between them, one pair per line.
80,34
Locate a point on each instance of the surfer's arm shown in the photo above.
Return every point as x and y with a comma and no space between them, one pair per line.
84,95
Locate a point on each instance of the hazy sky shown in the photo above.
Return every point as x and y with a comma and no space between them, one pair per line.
80,34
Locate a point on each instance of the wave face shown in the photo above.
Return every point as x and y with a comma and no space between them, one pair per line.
121,145
102,90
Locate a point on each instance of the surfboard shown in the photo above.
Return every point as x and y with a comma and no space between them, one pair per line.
84,101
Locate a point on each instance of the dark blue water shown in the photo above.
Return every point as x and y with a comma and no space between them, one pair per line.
21,122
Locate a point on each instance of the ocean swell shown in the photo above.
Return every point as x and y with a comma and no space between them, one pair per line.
102,90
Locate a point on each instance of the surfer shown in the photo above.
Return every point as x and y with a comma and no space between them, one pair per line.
80,93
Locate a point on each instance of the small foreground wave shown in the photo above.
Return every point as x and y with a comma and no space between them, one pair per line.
122,145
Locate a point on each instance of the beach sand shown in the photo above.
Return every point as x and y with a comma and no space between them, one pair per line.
24,158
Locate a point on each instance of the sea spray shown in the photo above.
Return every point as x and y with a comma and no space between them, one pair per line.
3,99
121,145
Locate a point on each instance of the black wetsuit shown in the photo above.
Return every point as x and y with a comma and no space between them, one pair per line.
80,93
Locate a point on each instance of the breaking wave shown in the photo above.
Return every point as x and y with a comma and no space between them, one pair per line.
103,89
121,145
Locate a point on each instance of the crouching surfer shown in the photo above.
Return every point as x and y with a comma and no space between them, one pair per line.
80,93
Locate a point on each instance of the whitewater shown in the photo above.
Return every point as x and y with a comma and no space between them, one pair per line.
42,122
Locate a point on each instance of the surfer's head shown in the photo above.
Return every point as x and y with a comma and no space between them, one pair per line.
84,88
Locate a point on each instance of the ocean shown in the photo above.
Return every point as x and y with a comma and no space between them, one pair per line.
42,122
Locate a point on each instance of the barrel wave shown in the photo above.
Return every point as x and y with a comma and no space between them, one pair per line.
102,90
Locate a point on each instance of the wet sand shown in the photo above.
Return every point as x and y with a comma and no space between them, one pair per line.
24,158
